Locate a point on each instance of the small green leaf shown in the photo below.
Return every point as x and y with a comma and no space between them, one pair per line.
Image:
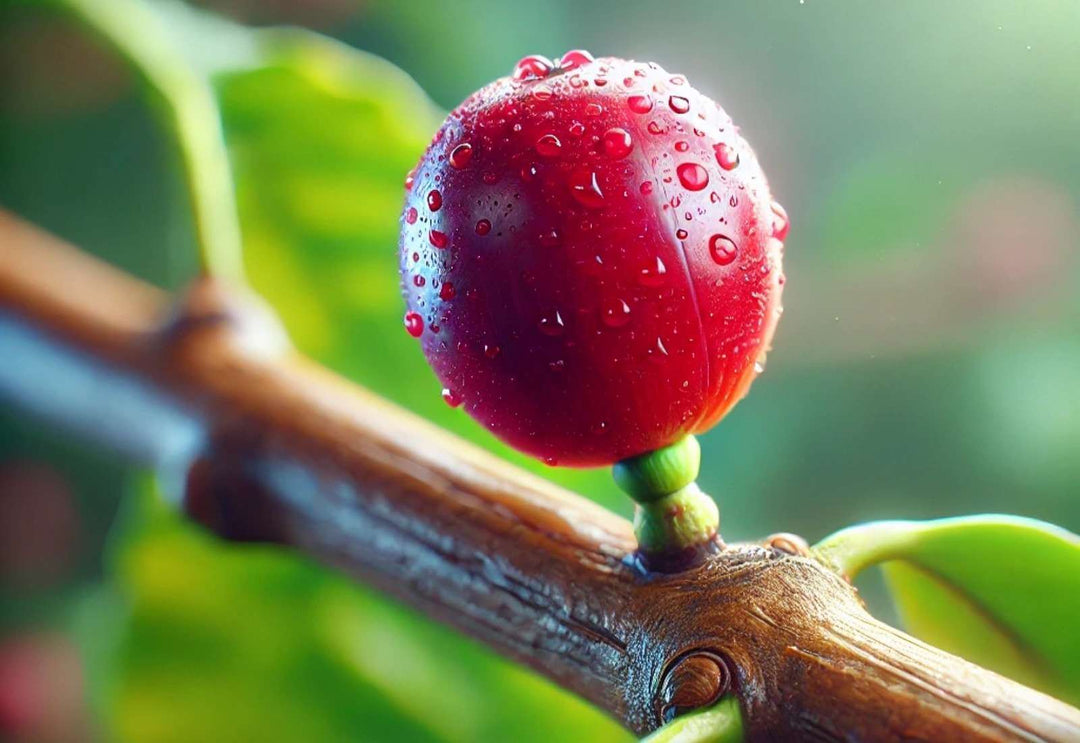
721,723
1001,591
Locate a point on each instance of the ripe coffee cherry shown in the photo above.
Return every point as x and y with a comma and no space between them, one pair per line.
591,258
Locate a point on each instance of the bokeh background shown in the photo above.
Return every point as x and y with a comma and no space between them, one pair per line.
928,362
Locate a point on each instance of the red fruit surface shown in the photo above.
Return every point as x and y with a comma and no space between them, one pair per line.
614,253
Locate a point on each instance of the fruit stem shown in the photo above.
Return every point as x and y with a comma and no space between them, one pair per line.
673,518
186,104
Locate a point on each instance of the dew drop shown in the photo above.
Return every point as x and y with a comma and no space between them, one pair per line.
434,200
679,104
585,189
410,215
549,146
419,280
551,325
652,275
723,249
693,176
483,227
615,313
414,324
617,143
681,234
640,104
438,239
532,67
447,292
726,156
450,397
461,156
780,222
574,59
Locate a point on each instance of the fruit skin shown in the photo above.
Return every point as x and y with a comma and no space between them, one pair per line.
606,301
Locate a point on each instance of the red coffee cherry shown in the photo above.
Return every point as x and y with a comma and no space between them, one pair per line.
604,226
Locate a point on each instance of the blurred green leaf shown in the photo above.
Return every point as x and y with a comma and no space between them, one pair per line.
721,723
1001,591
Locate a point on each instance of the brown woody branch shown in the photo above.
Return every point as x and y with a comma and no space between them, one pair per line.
264,445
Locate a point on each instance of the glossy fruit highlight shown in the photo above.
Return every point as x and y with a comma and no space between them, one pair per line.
614,255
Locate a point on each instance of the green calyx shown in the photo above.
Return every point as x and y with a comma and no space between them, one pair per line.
650,476
672,514
677,521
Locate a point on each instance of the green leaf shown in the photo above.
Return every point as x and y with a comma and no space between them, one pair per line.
721,723
1001,591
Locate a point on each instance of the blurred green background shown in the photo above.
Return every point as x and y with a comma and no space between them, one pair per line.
928,363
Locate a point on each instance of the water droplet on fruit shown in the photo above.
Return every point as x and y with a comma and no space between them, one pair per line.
577,129
681,234
693,176
450,397
600,82
585,188
723,249
410,178
419,280
529,172
410,215
550,461
640,104
758,367
447,292
491,351
541,93
682,145
726,156
658,352
483,227
593,109
780,222
434,200
557,366
617,143
678,104
615,313
414,324
438,239
461,155
551,325
548,146
655,128
549,238
652,275
574,59
532,67
490,178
